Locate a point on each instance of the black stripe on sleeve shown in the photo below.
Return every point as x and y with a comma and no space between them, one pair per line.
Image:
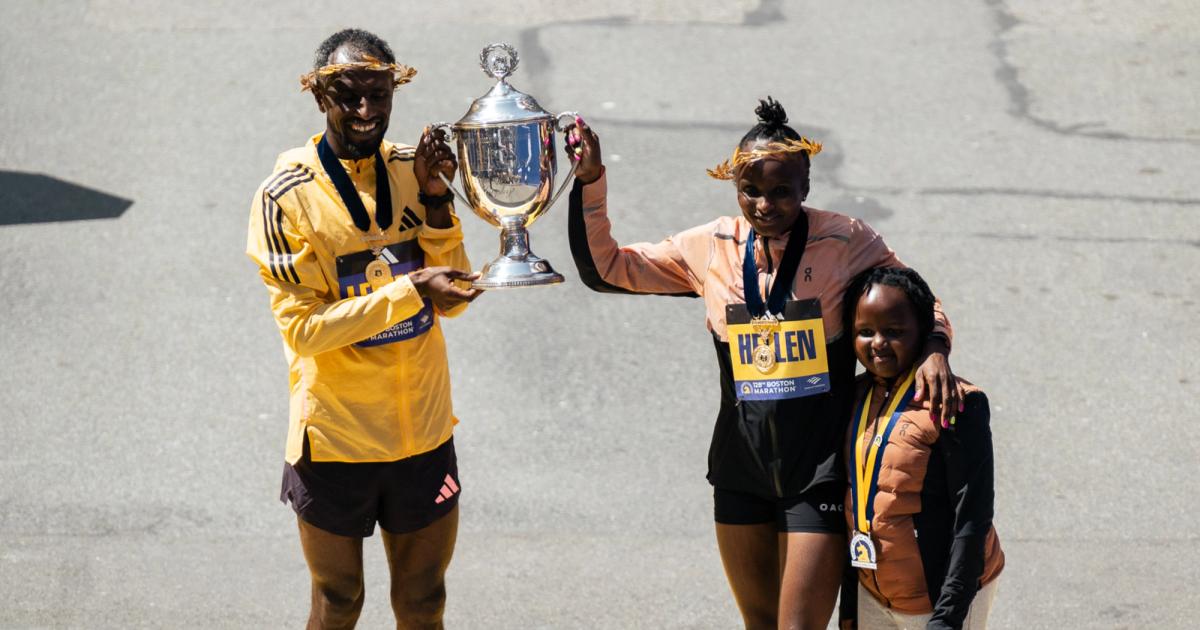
284,186
582,252
290,271
272,246
282,175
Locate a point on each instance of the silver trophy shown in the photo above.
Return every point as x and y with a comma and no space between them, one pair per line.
507,163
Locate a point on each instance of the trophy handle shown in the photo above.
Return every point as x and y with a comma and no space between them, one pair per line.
445,126
558,126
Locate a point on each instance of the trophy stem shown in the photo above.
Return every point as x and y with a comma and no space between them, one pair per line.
514,242
516,266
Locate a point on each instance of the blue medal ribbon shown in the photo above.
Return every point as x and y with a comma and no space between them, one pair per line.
345,188
782,286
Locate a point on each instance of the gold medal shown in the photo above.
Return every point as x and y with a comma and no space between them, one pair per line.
764,352
379,274
764,356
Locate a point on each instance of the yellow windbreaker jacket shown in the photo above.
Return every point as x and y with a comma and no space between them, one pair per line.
368,376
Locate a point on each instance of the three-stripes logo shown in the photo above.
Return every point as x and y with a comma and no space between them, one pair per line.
279,256
449,489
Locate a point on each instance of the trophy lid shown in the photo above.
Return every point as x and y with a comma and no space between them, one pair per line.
503,103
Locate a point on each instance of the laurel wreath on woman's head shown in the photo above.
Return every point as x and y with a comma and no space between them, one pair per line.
728,168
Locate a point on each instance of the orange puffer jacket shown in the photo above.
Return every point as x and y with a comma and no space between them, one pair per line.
932,526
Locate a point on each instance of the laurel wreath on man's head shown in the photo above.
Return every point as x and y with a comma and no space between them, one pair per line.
401,73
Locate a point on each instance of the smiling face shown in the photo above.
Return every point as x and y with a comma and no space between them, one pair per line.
357,105
887,336
771,191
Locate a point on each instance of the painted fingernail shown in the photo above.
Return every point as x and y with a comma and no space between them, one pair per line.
961,406
578,120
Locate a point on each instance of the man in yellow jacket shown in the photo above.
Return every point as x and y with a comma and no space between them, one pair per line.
360,250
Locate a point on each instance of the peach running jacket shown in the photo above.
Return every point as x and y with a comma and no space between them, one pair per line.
707,261
769,448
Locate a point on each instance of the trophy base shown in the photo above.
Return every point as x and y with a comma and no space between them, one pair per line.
508,273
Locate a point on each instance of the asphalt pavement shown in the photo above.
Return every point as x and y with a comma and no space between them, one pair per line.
1036,163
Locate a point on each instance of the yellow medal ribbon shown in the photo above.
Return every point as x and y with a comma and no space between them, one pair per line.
866,473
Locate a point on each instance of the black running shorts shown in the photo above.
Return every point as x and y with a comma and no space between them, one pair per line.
349,498
819,510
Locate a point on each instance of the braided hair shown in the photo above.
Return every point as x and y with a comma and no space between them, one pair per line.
772,127
907,280
772,124
356,39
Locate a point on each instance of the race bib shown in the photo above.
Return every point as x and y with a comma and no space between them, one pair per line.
401,259
784,358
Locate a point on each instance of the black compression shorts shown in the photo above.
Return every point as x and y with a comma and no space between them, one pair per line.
349,498
819,510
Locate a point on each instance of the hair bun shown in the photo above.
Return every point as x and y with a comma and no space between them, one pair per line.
770,113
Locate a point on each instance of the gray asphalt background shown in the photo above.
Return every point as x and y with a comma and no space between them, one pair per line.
1036,161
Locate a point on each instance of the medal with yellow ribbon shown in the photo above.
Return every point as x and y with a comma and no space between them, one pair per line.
867,461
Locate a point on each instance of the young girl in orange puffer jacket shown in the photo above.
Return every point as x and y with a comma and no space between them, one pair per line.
920,500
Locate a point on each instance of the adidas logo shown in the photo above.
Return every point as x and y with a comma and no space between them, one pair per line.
449,489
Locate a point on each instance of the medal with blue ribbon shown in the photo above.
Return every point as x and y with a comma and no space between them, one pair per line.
867,461
379,271
765,317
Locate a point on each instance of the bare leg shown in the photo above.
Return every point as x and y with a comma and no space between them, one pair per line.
750,554
336,565
417,562
812,577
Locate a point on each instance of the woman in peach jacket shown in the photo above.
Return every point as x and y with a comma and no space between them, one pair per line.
787,369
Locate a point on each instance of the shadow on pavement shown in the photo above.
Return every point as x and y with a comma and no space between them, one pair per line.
36,198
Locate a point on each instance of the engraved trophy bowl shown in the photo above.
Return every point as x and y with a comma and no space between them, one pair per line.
507,165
